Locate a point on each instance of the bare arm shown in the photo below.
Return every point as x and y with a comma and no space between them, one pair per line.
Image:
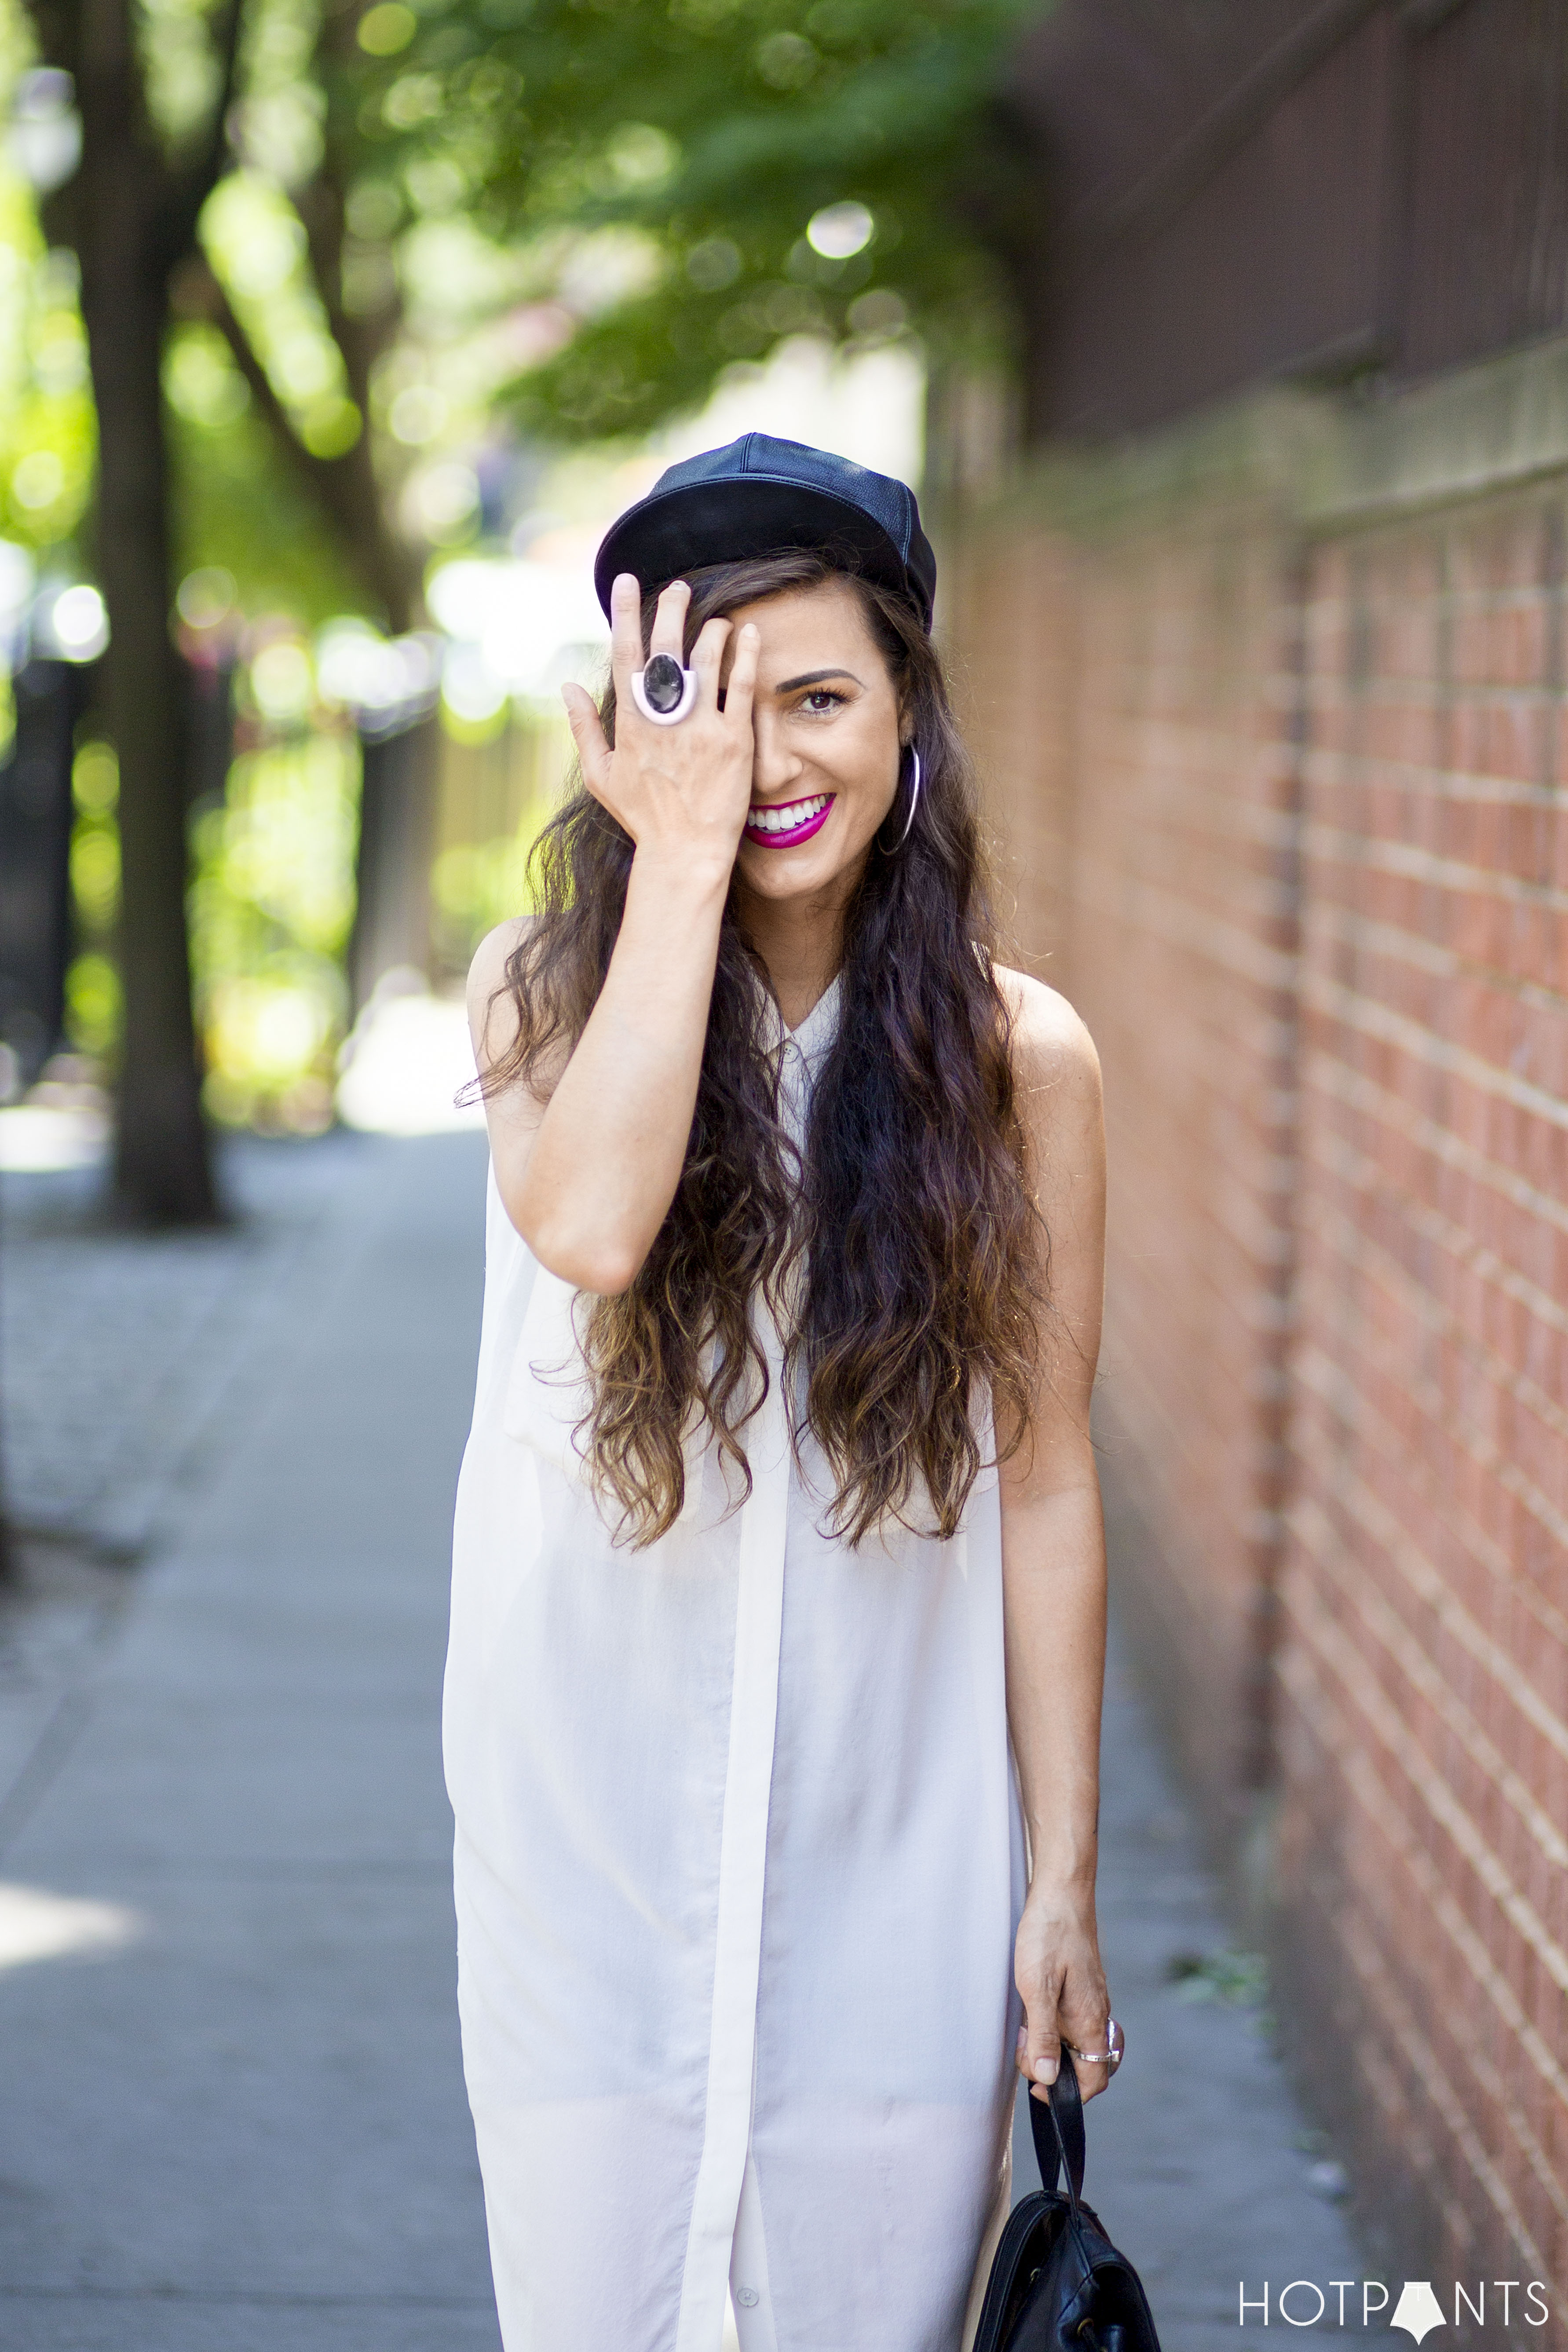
588,1177
1053,1551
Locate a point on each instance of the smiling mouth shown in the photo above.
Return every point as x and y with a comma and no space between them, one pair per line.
782,826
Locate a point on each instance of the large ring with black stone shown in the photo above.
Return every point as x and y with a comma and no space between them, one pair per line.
664,691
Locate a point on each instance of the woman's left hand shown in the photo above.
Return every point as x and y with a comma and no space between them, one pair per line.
1058,1970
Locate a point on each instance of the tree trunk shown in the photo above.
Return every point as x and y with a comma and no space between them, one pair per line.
396,812
9,1565
162,1163
35,858
163,1170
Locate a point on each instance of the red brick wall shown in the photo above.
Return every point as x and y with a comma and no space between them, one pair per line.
1181,960
1013,645
1290,814
1143,790
1423,1652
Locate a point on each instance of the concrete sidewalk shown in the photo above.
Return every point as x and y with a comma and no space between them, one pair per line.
233,2119
1199,2162
238,2125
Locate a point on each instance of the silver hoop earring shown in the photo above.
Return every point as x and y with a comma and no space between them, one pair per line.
914,803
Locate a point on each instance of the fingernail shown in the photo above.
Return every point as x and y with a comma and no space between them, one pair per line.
1045,2069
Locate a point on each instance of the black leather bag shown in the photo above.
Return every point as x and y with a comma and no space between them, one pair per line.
1057,2283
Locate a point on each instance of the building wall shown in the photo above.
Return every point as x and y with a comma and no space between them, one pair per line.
1424,1647
1276,735
1013,662
1229,191
1133,691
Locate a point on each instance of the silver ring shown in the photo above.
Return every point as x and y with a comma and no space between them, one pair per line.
664,691
1111,2055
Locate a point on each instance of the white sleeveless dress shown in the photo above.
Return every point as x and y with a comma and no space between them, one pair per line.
739,1865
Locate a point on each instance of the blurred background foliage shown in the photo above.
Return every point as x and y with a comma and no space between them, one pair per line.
465,262
272,905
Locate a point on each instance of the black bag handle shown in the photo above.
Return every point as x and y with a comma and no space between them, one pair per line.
1057,2127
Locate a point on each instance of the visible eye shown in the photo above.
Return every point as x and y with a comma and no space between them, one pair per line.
822,700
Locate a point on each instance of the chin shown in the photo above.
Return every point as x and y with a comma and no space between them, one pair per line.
789,873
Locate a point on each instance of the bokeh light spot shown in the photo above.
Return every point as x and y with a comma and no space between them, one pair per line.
839,230
37,479
206,596
79,622
387,28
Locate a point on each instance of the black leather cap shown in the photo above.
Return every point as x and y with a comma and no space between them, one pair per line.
758,496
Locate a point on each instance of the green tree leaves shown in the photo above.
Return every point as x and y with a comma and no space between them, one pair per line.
717,130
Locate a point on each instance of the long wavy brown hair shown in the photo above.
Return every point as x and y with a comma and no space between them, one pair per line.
902,1257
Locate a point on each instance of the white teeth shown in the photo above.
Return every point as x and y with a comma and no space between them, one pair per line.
791,814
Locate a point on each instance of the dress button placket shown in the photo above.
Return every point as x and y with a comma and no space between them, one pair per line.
754,1705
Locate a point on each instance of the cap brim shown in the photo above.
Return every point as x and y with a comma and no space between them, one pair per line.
671,532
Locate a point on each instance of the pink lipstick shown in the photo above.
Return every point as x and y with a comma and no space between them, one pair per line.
768,832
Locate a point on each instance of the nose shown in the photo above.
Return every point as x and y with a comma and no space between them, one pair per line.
774,767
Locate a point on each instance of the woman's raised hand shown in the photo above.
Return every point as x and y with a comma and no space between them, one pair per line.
682,791
590,1183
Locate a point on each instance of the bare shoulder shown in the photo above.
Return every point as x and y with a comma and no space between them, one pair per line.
492,1017
1057,1072
1050,1047
487,973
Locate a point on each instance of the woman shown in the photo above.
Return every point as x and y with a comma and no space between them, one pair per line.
779,1591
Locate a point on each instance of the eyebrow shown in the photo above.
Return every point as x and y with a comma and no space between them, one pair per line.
815,678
